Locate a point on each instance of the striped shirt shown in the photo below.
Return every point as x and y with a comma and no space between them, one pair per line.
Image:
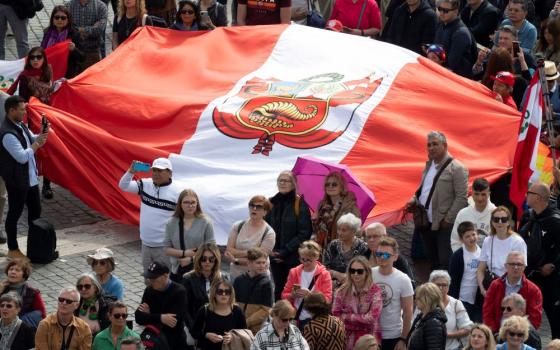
267,339
92,17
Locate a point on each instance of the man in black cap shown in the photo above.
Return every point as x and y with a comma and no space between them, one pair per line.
163,305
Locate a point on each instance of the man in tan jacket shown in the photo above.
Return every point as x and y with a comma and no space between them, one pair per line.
63,330
449,195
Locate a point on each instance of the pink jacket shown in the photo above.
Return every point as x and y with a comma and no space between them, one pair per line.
360,315
323,282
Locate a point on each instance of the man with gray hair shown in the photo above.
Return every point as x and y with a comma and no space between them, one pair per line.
131,343
455,37
541,231
442,193
515,305
513,281
61,329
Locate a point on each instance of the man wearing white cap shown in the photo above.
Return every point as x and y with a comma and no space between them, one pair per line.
158,197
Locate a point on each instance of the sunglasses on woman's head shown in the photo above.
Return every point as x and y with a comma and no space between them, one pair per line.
356,271
220,291
185,12
497,219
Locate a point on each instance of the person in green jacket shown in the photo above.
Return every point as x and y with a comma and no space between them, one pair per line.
111,337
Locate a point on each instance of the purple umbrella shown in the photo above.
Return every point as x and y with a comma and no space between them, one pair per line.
310,174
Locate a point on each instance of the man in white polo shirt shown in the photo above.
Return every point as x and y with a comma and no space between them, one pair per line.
396,287
158,197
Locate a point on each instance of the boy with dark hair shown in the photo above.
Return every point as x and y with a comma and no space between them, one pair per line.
462,269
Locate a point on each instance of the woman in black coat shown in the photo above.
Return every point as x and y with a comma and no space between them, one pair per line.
428,331
291,220
24,338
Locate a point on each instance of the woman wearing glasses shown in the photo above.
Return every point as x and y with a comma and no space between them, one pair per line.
197,283
309,276
515,330
347,246
358,302
291,220
185,231
496,248
111,337
36,78
103,264
188,17
336,202
458,322
93,307
280,333
14,333
254,232
32,308
214,321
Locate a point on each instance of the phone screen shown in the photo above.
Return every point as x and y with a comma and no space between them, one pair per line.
140,166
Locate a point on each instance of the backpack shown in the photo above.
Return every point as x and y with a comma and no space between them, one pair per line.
41,242
153,339
153,21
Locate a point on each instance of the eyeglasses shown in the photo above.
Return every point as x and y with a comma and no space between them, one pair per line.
211,259
256,206
99,262
35,57
65,301
60,18
383,255
6,306
356,271
284,181
515,334
119,316
518,265
444,10
506,308
497,219
184,12
190,203
368,237
535,193
331,184
442,285
305,260
286,320
220,291
83,286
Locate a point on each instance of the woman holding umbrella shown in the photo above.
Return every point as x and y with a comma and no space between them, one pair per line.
336,202
291,220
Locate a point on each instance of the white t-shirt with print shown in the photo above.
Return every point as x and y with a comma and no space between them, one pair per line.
501,248
469,284
395,286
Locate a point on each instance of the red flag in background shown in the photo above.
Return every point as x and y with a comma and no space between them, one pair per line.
233,107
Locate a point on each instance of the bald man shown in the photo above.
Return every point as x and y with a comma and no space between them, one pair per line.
541,231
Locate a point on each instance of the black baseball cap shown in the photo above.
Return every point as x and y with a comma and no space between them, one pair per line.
155,270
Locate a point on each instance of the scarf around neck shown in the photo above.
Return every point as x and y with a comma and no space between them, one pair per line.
52,37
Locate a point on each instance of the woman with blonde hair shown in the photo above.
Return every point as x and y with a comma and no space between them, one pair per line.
496,247
307,277
280,332
130,15
185,231
336,202
428,329
358,302
291,220
481,338
366,342
215,320
515,331
206,272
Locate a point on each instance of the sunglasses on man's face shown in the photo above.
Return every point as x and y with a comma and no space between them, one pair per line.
383,255
356,271
65,301
497,219
444,10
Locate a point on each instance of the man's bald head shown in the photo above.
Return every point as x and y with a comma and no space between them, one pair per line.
541,189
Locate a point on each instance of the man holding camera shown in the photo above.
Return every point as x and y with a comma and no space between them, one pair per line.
18,168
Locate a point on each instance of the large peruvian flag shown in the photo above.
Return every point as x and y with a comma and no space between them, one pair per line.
233,107
526,153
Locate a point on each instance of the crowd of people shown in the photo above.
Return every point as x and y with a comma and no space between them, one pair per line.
299,279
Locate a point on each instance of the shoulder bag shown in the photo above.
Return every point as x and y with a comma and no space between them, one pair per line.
489,276
314,17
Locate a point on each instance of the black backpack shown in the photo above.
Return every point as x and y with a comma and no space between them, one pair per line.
41,242
153,339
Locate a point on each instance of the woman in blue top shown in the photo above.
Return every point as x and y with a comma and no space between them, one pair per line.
515,330
103,264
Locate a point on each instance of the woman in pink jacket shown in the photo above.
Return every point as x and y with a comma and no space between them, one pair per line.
309,276
358,302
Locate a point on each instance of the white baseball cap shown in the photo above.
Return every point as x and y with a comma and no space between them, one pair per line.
162,163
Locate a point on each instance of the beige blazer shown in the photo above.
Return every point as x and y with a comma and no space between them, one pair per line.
450,194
